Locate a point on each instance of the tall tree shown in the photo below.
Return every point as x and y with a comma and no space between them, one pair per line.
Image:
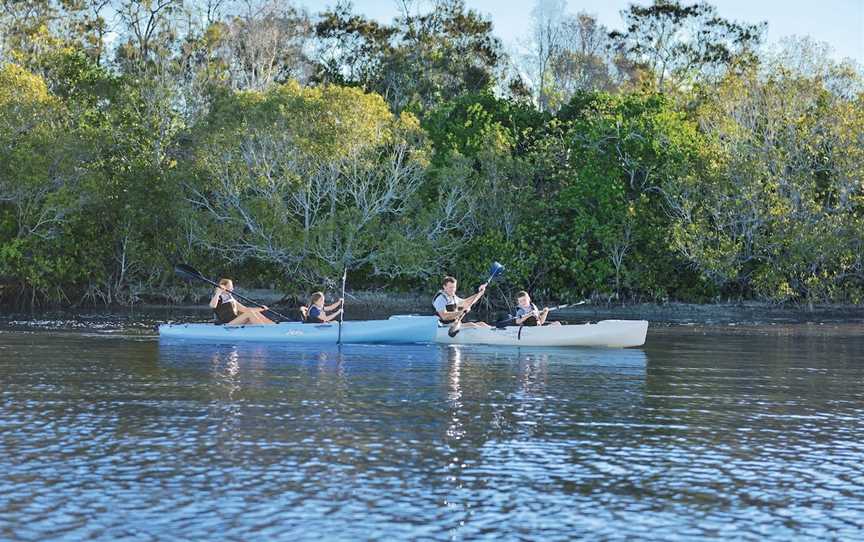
265,44
547,43
680,43
415,63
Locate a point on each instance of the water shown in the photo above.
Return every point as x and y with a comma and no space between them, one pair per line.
752,434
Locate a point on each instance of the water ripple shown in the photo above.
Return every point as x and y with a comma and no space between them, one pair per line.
696,436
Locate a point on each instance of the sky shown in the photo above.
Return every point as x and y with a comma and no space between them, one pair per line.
840,23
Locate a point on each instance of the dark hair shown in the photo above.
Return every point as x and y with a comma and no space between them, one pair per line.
447,280
520,294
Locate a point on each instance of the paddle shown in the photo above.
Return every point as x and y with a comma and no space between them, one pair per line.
342,314
190,273
550,310
494,271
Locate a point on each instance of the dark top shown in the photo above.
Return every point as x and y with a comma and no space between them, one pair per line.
225,310
314,316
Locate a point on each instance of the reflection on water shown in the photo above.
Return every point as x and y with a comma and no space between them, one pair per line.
698,435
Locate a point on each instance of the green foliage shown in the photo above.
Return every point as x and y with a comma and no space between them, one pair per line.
394,153
308,179
418,62
776,213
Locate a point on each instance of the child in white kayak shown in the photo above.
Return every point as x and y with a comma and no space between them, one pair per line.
230,311
316,313
527,313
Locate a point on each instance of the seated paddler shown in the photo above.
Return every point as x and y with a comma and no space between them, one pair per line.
230,311
317,312
527,313
450,307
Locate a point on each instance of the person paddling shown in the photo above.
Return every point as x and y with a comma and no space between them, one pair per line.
316,313
451,307
527,313
230,311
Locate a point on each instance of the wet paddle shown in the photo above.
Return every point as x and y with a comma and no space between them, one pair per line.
190,273
342,308
496,270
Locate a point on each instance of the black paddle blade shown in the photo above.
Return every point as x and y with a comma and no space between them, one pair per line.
187,272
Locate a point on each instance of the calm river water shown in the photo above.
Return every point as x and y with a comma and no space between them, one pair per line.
755,434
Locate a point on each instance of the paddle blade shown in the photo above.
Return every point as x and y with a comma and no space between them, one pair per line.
187,272
496,270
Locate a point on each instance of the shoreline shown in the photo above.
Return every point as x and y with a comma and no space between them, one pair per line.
376,304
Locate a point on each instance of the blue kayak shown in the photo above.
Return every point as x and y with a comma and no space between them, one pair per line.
417,329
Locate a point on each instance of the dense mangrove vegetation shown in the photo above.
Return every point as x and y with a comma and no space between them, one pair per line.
678,159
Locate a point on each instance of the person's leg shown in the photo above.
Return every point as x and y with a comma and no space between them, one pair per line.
250,317
241,319
259,318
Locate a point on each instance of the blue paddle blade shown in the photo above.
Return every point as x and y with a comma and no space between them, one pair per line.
496,270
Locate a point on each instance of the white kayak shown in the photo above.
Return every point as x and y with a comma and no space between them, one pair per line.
419,329
609,333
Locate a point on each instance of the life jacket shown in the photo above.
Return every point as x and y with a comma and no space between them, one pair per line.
449,307
225,311
316,318
530,321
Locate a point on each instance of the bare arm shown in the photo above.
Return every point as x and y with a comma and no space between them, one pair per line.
215,299
336,304
527,315
469,301
541,318
330,317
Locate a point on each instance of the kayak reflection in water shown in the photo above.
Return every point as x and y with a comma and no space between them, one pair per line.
230,311
316,313
527,313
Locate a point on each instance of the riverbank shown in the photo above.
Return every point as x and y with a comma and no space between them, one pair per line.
377,304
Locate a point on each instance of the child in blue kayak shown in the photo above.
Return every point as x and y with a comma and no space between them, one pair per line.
316,313
527,313
230,311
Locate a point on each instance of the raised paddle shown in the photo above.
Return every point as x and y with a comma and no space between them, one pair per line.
494,271
342,308
190,273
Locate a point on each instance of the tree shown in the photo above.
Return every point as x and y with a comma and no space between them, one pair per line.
548,43
569,53
310,180
265,45
604,227
682,43
585,61
779,213
418,61
149,30
41,168
351,49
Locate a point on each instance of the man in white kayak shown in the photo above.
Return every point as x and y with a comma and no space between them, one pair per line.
527,313
451,307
